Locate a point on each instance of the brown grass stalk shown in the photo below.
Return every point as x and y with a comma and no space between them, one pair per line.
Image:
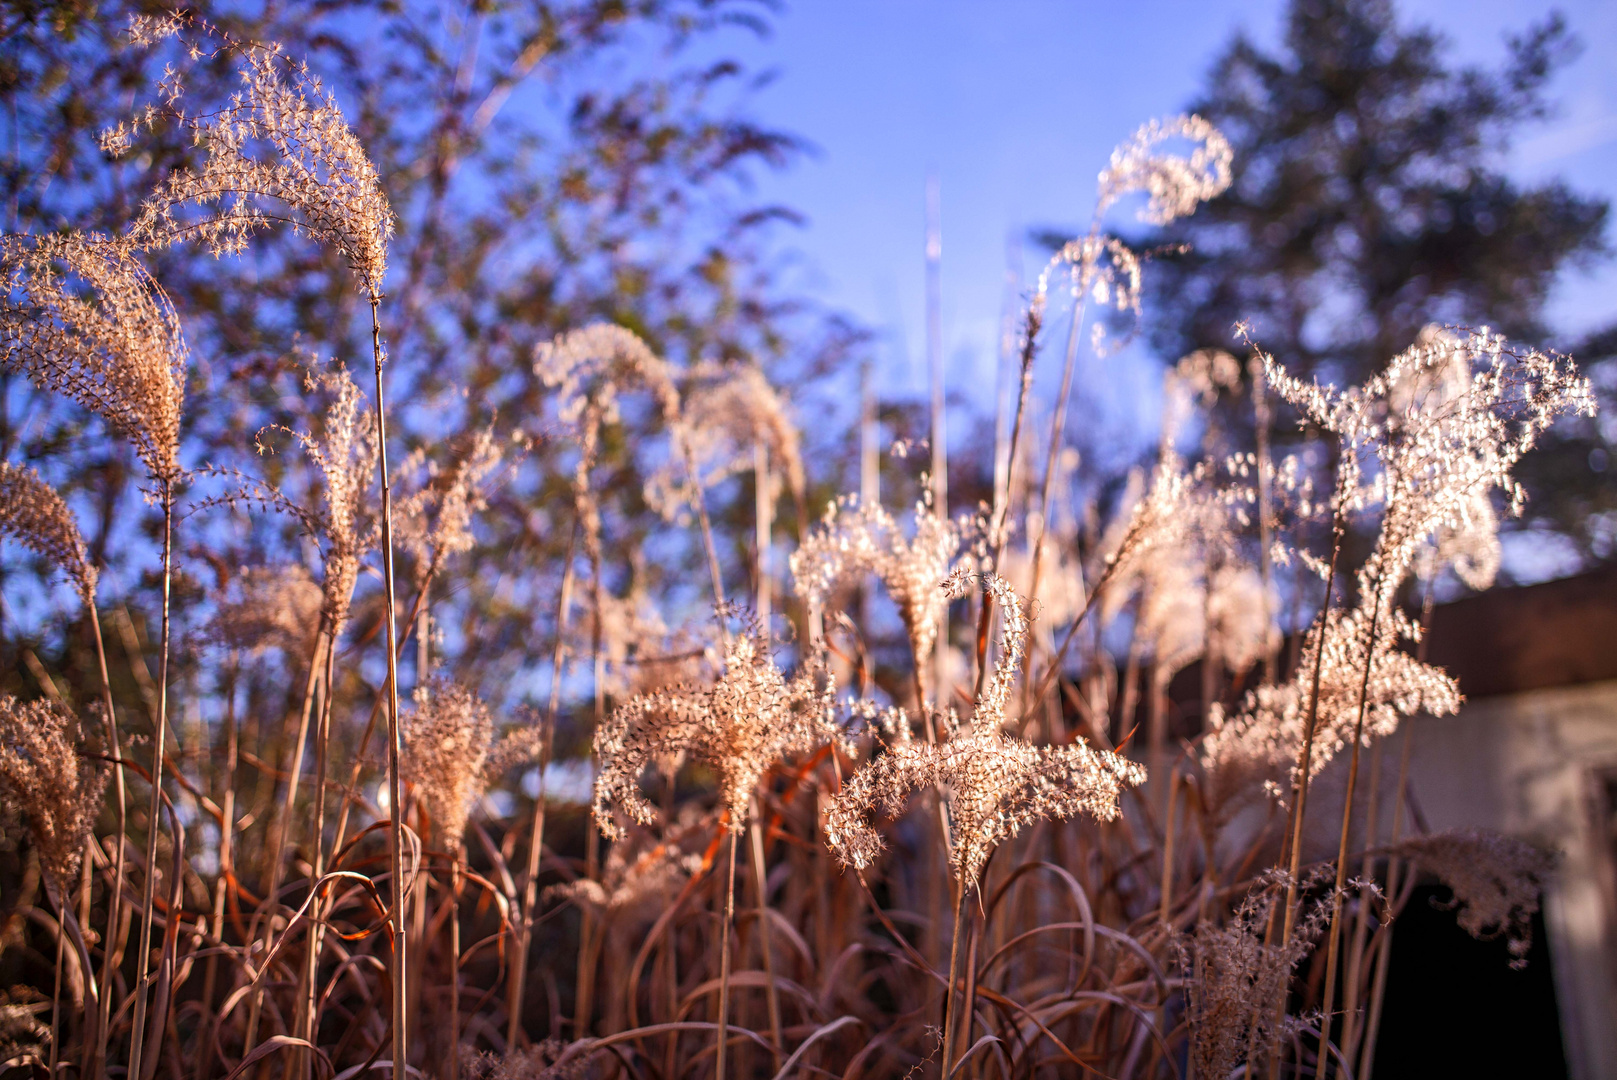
398,967
536,833
311,971
1354,982
137,1062
111,955
760,876
1058,428
1299,798
1395,882
728,884
1333,948
285,822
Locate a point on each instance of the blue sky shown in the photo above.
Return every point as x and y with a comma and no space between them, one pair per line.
1017,104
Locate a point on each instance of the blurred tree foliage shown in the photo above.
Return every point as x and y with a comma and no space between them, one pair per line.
1369,200
550,163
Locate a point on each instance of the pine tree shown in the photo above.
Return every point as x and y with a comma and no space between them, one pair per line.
1368,199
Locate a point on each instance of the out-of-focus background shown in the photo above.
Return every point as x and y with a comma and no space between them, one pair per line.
1014,110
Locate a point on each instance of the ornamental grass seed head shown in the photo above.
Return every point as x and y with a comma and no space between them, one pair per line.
43,776
730,411
82,318
746,721
995,784
34,515
1237,979
434,521
271,607
640,872
1496,882
1175,184
855,539
452,756
280,150
345,455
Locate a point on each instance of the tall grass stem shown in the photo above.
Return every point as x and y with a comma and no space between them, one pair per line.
148,889
395,745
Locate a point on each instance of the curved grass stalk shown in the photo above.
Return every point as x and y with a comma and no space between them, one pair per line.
588,946
950,1016
1032,323
56,987
1058,428
454,962
1361,919
227,844
763,523
351,790
764,527
1299,799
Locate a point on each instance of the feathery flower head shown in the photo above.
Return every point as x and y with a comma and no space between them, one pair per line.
274,607
533,1062
1264,738
590,366
279,150
82,318
1179,551
1103,269
345,454
1450,417
855,539
638,872
22,1036
1013,634
1175,546
435,521
731,411
1062,590
641,653
34,515
1195,380
1158,520
746,721
1442,426
1496,881
43,776
1238,616
1176,184
889,723
1237,980
1190,604
452,755
995,784
1470,548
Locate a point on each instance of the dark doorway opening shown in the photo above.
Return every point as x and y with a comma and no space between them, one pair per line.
1454,1006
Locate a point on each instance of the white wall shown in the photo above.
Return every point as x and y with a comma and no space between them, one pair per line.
1526,764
